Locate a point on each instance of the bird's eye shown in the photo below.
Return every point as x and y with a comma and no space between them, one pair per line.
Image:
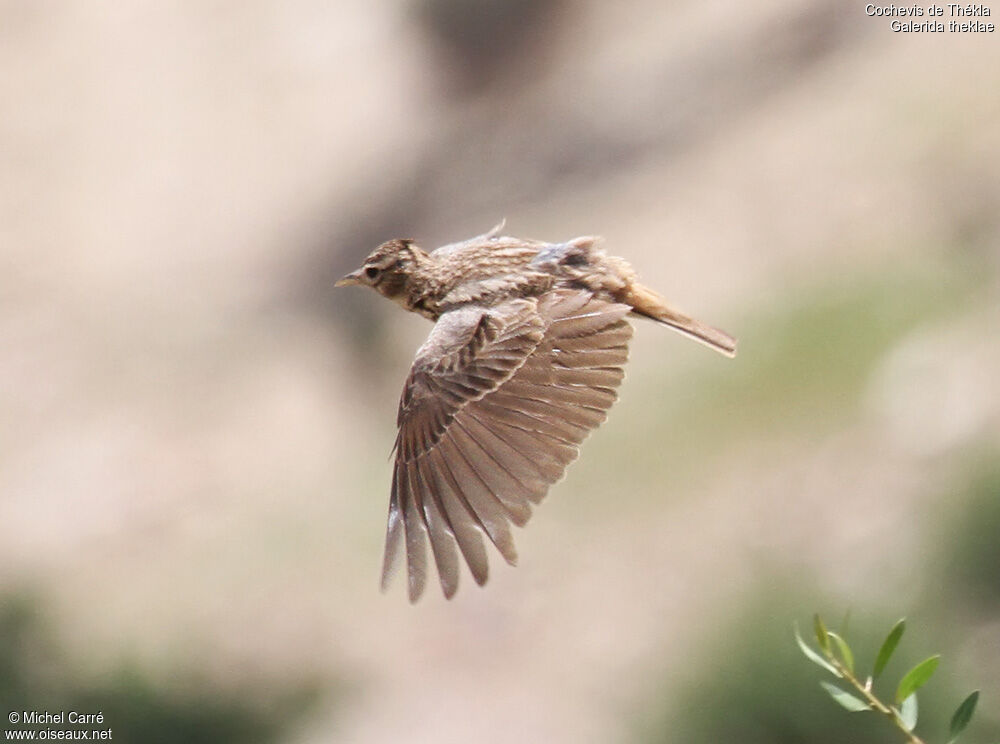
371,272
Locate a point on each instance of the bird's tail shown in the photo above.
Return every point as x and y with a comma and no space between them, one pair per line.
648,303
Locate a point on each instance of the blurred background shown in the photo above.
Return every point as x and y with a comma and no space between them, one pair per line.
195,427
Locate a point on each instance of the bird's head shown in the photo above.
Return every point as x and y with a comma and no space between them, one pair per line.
388,269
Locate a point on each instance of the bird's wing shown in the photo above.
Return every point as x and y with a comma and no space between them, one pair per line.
494,408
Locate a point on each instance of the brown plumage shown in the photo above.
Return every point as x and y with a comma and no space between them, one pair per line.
527,350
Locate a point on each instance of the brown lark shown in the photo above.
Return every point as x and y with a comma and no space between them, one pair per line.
527,349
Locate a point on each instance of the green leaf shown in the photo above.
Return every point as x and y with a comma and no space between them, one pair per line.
908,712
821,633
813,656
963,714
914,679
846,699
845,651
888,646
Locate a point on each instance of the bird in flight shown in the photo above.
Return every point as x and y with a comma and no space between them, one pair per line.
527,350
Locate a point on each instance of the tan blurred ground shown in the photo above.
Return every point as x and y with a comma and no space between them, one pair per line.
195,431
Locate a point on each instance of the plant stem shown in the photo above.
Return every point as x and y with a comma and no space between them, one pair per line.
873,701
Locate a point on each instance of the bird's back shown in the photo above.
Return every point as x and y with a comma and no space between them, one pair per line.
488,270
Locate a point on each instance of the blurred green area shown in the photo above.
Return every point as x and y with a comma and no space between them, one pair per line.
803,365
754,685
968,571
803,368
36,676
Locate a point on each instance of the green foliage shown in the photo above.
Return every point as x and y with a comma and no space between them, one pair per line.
822,635
846,655
888,647
908,712
846,699
748,686
963,714
917,677
813,656
838,659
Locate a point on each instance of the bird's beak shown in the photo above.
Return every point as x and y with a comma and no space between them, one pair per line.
346,281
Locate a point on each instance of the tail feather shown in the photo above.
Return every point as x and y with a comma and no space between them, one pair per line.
648,303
